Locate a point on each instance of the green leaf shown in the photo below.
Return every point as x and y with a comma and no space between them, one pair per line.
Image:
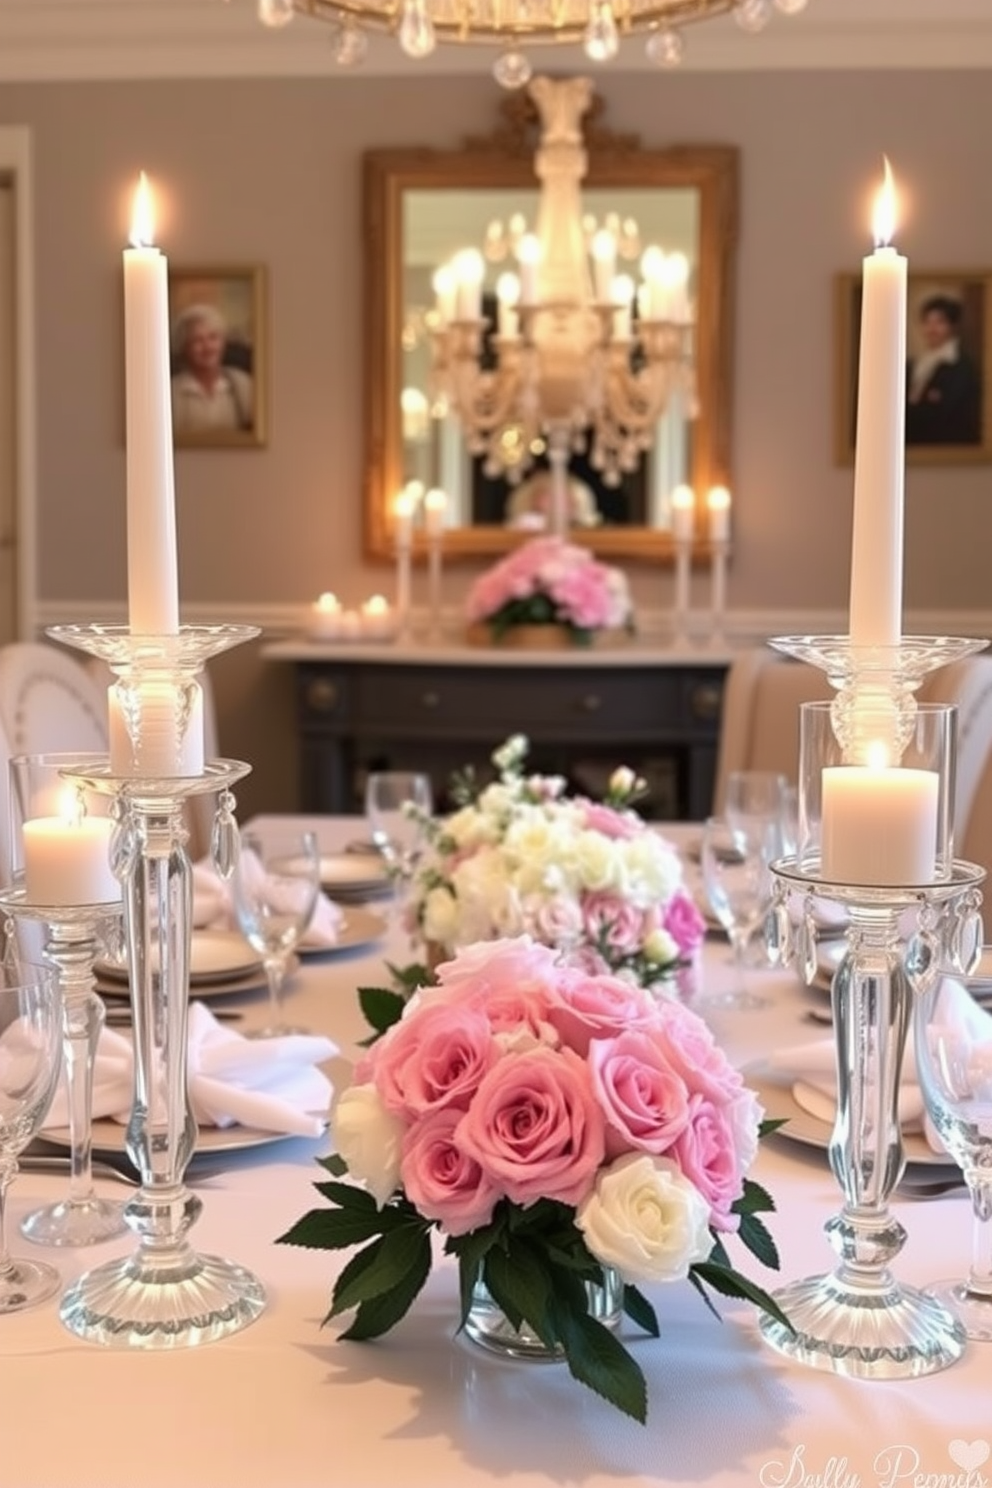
639,1310
753,1200
348,1196
377,1315
705,1295
754,1233
381,1008
731,1283
772,1124
411,977
520,1278
379,1268
327,1229
597,1359
333,1163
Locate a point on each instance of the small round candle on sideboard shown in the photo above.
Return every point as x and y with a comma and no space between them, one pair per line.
325,618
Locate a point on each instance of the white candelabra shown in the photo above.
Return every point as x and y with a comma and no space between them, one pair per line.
572,363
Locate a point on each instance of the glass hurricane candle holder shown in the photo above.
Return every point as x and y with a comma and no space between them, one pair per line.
165,1295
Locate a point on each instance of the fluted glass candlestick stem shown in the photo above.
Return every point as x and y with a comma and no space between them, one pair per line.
683,558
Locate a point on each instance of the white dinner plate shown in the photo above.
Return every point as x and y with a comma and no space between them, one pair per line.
359,927
354,873
215,956
773,1087
108,1138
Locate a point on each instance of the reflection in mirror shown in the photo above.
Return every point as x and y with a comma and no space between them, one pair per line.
422,208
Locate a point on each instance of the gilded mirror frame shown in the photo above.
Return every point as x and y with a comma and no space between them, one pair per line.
505,160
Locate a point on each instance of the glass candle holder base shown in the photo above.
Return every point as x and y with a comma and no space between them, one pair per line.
864,1331
75,1222
178,1301
26,1284
973,1310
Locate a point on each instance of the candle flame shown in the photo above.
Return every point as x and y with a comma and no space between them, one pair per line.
683,498
884,216
71,806
142,215
877,755
718,499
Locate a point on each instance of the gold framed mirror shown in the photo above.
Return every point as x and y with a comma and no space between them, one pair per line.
420,206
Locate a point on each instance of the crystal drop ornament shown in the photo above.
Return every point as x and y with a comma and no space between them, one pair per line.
350,46
512,70
923,960
275,13
123,845
966,938
753,15
224,840
601,41
416,33
664,48
807,945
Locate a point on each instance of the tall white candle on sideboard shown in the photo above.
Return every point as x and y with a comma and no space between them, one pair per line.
435,506
876,550
152,582
403,508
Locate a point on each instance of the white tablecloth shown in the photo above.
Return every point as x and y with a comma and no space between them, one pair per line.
283,1405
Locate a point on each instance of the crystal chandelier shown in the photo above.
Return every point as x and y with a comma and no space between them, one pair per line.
579,358
599,25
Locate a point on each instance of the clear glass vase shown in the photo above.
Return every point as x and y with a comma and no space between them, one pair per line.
488,1325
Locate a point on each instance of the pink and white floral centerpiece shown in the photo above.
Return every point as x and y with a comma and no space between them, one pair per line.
550,1123
548,581
589,878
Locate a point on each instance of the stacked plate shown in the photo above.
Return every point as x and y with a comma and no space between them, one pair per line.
355,875
221,964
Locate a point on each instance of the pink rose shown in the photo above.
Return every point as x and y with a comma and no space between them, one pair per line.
441,1180
684,923
645,1102
535,1128
556,921
707,1154
617,825
692,1050
435,1056
612,920
587,1007
491,966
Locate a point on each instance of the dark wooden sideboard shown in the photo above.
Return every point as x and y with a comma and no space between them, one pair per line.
439,709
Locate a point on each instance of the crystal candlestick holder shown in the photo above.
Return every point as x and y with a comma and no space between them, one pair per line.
859,1320
76,936
165,1295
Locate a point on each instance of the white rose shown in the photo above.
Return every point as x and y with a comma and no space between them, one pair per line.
368,1137
440,916
645,1219
651,870
745,1115
660,948
598,862
622,781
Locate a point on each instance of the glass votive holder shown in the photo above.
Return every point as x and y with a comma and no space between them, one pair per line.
60,832
876,814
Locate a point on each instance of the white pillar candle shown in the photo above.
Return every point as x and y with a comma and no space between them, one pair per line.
403,530
67,861
444,293
877,540
507,299
435,506
470,270
718,506
879,825
325,617
161,746
652,298
152,582
378,621
683,513
622,296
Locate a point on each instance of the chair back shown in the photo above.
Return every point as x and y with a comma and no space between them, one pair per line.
48,701
759,728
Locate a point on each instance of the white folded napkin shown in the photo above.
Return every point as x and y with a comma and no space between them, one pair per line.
213,906
272,1084
813,1066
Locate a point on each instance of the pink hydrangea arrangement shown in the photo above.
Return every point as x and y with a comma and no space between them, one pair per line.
549,1123
548,581
589,878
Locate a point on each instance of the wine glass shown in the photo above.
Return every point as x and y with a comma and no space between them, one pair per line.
738,883
30,1053
397,805
953,1043
759,800
275,885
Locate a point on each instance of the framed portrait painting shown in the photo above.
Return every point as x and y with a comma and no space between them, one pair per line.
218,356
948,367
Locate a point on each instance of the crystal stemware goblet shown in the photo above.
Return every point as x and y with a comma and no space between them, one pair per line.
275,885
739,887
953,1040
30,1048
397,805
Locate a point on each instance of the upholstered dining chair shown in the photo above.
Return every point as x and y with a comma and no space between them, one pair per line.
760,724
968,684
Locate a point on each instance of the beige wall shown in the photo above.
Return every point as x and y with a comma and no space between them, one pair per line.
268,172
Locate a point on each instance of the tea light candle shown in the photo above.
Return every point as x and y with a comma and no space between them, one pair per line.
152,578
325,622
378,622
879,825
67,858
162,746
